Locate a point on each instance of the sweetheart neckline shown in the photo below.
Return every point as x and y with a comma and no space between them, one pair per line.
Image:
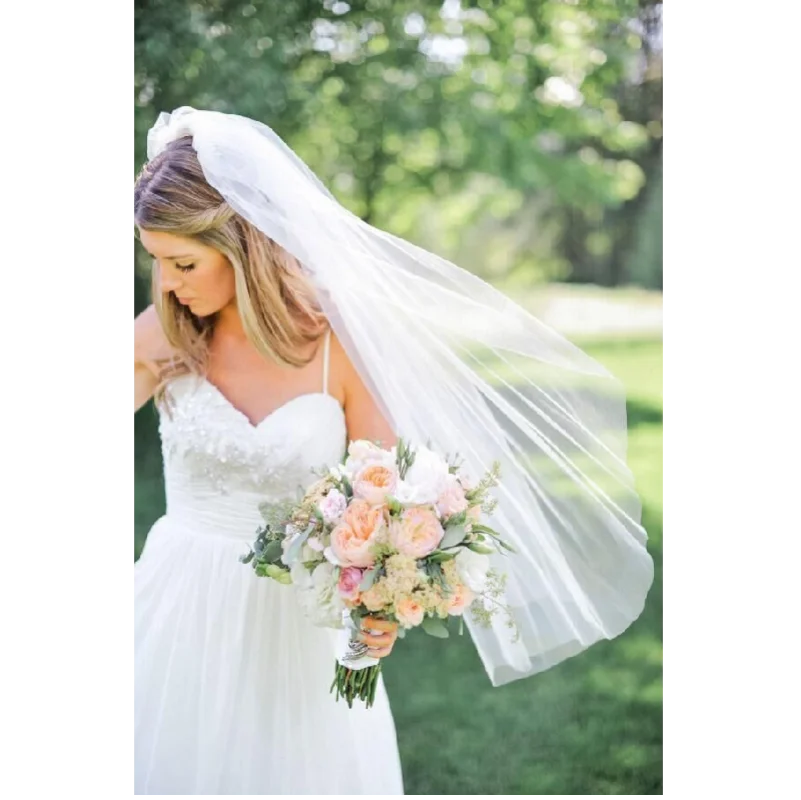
255,426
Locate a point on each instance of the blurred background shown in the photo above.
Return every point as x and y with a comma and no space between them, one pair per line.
521,140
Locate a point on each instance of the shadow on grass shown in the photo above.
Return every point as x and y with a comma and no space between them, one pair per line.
642,413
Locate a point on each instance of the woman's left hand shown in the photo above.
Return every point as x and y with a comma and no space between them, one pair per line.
379,635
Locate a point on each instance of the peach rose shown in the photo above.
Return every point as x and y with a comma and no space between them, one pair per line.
409,613
451,499
349,580
417,532
352,539
374,482
459,600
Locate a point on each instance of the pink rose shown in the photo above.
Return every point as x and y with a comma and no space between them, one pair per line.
417,532
451,499
353,538
374,482
349,580
409,613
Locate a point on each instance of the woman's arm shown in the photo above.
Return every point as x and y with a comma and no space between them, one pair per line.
149,341
362,416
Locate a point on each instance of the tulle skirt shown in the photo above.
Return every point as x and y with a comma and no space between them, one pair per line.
232,683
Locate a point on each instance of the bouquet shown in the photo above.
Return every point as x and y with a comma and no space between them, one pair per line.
396,534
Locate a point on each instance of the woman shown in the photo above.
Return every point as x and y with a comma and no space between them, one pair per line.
282,327
231,680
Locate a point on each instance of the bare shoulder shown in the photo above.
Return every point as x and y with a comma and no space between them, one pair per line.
150,342
363,416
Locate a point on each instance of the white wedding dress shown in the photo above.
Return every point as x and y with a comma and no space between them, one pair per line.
231,680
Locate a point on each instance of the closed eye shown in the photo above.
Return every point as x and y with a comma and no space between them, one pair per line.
185,267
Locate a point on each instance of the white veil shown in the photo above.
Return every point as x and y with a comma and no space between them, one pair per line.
451,360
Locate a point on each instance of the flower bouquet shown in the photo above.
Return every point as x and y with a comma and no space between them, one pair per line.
394,534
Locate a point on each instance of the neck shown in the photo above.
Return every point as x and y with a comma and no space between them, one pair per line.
229,323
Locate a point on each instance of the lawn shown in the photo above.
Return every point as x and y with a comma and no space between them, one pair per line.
591,725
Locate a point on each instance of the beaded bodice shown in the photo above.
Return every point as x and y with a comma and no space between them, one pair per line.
215,459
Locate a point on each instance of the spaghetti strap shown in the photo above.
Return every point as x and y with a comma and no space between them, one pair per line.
326,350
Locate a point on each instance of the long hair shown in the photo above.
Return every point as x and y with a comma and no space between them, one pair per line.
277,303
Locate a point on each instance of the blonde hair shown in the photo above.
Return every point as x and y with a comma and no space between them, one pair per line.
277,303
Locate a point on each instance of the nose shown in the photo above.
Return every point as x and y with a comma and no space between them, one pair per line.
169,281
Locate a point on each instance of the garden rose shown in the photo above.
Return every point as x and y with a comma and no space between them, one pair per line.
460,599
417,532
349,580
374,482
408,612
451,499
352,539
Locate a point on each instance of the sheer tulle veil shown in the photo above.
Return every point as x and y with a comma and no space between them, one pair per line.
454,363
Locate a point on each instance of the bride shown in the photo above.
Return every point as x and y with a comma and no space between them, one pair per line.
232,682
282,328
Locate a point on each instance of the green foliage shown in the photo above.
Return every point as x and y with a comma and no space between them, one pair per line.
514,138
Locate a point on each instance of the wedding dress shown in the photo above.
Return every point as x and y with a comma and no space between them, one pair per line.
231,680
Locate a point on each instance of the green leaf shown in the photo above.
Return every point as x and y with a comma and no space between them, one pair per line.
275,572
293,551
453,536
393,504
435,627
368,579
438,556
247,558
480,548
479,528
272,552
457,519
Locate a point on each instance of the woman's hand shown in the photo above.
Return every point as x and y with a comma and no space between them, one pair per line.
382,641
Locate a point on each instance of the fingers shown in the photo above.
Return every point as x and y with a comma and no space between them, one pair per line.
382,639
373,623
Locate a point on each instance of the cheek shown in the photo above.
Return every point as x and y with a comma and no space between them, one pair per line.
219,282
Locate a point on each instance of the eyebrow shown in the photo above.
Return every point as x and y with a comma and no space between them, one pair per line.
173,258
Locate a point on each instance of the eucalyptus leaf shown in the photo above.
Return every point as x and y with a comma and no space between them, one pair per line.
272,552
368,579
435,627
293,551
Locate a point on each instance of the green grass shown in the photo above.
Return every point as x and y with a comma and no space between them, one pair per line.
591,725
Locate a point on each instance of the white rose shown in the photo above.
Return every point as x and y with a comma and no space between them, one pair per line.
425,480
318,596
472,568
